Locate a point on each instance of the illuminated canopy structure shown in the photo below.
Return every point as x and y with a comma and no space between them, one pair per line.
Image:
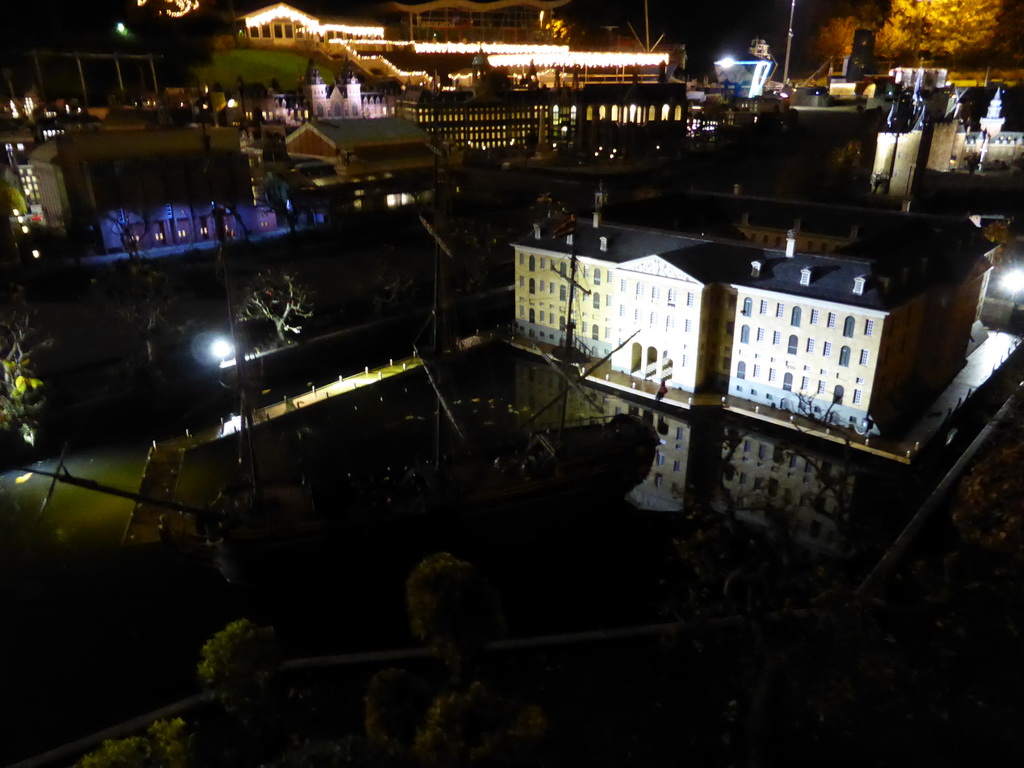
508,21
287,24
569,59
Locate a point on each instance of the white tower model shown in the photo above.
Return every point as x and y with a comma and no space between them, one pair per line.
354,94
316,92
992,122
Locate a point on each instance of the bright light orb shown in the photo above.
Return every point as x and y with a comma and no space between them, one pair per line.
222,349
727,62
1013,281
121,28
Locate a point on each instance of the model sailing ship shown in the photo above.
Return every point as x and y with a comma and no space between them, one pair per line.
600,458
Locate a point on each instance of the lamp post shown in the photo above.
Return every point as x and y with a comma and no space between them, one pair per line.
789,42
1013,281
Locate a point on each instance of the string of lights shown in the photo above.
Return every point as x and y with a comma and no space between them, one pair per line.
175,8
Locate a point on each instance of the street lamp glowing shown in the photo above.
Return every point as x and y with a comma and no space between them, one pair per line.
1013,281
121,28
222,349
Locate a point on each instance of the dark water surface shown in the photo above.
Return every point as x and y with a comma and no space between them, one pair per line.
93,633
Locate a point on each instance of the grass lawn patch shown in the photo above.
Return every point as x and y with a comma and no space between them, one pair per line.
257,66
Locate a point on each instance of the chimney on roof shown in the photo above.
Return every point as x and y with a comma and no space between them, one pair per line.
737,189
597,219
755,269
536,231
854,231
744,219
604,243
791,243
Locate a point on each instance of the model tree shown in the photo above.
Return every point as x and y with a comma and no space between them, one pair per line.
946,30
139,294
454,610
277,297
834,38
130,233
239,665
21,398
277,196
167,744
988,511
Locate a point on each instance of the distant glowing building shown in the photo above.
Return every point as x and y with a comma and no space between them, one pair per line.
158,187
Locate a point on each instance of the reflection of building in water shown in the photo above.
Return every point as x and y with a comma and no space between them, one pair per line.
665,484
664,488
767,481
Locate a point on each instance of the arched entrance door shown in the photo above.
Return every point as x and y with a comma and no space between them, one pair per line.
637,361
651,367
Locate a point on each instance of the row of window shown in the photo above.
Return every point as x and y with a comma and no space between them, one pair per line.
793,343
633,113
549,318
562,267
672,295
796,317
838,391
653,320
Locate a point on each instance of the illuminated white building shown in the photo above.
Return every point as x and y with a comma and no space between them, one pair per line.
344,100
847,336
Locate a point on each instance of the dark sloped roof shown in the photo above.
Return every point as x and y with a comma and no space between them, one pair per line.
624,243
350,133
635,93
690,210
923,257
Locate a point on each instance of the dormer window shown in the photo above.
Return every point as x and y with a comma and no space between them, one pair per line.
858,286
805,276
755,269
604,243
536,231
568,239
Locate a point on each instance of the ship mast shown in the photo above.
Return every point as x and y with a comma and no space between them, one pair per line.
570,323
246,449
442,334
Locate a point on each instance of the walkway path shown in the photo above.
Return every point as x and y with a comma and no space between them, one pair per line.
163,465
984,360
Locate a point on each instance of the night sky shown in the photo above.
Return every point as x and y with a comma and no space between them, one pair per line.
709,29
